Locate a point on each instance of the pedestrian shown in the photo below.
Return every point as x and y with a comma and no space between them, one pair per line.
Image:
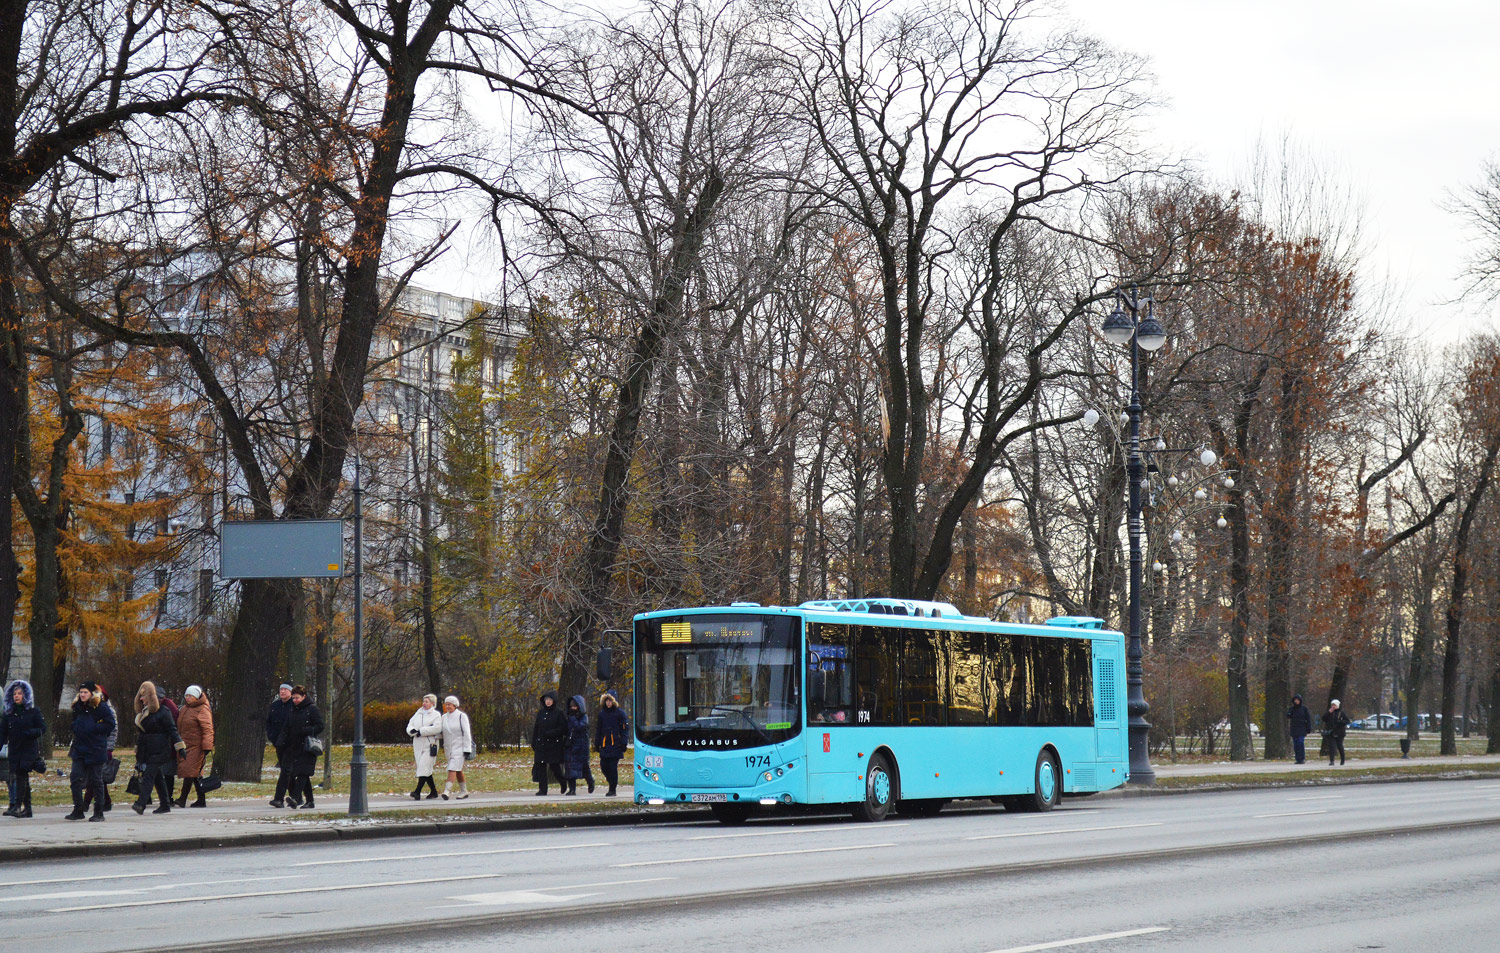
301,744
577,754
1335,724
111,763
21,730
458,743
1299,723
281,706
611,735
425,729
92,726
195,723
549,742
157,748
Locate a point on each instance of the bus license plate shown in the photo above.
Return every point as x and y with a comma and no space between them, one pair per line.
708,798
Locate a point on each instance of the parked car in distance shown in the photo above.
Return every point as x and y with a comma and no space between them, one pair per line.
1382,722
1223,727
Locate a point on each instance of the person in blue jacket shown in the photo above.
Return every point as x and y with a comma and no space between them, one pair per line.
21,730
577,753
611,736
93,723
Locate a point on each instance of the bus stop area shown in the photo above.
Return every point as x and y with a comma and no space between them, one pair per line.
251,823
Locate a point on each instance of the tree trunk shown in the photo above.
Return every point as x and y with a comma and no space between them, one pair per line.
264,619
1458,591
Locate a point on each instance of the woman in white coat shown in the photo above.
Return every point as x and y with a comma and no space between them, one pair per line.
425,729
458,742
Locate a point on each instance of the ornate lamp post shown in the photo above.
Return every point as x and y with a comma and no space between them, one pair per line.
1126,326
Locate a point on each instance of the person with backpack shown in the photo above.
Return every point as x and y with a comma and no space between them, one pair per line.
21,730
611,737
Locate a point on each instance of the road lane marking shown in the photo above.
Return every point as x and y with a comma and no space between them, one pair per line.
69,880
1065,830
1292,814
1077,941
1317,797
846,829
148,888
456,853
278,893
540,895
769,853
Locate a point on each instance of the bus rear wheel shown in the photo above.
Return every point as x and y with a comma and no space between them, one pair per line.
880,791
1047,791
731,814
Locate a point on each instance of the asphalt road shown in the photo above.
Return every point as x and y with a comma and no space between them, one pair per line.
1403,866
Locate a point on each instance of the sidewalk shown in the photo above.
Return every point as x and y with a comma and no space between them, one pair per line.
243,822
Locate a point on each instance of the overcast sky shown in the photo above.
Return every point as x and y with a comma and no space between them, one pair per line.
1399,99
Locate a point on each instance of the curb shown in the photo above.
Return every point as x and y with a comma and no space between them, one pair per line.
475,825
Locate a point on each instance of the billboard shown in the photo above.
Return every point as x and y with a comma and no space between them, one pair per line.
281,549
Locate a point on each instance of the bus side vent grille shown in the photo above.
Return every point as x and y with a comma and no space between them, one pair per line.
1107,689
1083,779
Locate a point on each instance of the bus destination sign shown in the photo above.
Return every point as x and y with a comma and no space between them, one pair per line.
712,633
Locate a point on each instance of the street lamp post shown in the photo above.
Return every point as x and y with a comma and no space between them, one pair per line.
358,767
1126,326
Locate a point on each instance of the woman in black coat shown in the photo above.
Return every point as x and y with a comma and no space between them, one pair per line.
303,722
156,749
611,735
578,746
21,730
549,739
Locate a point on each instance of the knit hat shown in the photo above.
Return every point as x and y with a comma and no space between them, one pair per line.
285,687
451,700
1335,703
89,685
193,691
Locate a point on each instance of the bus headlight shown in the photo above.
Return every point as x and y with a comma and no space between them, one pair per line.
769,776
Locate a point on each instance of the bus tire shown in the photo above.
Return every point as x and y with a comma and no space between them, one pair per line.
731,814
880,790
1047,791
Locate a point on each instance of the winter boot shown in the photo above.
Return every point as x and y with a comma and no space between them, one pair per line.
187,785
25,810
447,789
98,816
541,791
77,814
417,794
591,784
572,788
164,809
11,811
198,786
610,792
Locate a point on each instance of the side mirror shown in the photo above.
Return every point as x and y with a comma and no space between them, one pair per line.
606,664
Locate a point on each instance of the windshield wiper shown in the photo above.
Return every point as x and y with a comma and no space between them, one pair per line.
746,717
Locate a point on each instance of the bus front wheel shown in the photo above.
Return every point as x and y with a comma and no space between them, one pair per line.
880,791
1047,791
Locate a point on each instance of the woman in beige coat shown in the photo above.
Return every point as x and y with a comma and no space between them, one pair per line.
195,722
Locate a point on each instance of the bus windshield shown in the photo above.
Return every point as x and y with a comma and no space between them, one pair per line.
717,681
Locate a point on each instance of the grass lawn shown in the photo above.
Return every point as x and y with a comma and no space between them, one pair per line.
390,772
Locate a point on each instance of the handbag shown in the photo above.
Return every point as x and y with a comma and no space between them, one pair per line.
39,766
210,783
432,750
133,786
468,756
111,770
312,744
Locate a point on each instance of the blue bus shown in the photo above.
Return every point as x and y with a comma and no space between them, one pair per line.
877,704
